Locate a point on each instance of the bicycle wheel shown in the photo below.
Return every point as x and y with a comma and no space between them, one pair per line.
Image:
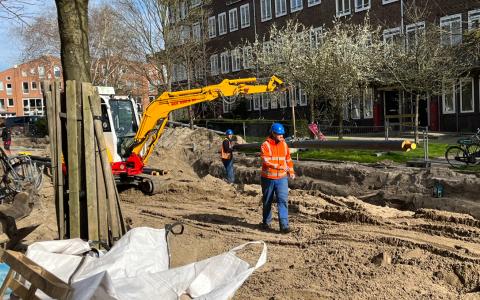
456,157
474,152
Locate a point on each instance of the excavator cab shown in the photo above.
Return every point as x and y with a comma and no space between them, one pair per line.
120,121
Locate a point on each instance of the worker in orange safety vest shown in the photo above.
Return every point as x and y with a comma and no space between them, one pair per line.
226,153
277,166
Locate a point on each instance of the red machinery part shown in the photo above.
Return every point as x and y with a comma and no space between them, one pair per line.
132,166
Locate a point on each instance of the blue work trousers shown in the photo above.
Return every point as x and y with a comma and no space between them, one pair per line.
279,188
228,163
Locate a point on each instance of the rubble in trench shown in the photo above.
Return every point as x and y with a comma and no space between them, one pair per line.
358,232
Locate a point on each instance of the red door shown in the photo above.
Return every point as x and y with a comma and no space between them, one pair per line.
434,115
377,114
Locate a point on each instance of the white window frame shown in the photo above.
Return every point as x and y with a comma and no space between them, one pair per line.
273,102
196,31
296,8
462,81
23,87
473,15
453,110
55,69
256,101
31,85
236,56
391,33
8,90
2,103
8,102
313,2
222,23
388,1
280,4
226,107
302,96
1,86
245,16
195,3
249,100
448,21
233,19
247,57
282,100
224,62
265,10
316,37
368,96
417,27
265,101
356,105
214,64
24,73
343,12
366,4
212,27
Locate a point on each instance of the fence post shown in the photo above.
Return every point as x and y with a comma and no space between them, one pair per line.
386,129
244,132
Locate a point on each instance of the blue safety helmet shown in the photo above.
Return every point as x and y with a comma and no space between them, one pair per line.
229,132
277,128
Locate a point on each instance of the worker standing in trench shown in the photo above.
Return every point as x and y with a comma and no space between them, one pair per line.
277,166
227,155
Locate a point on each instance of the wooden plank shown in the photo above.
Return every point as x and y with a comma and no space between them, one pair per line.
102,199
106,168
35,274
90,170
21,291
59,188
73,160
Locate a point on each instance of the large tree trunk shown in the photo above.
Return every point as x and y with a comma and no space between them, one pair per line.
73,26
312,111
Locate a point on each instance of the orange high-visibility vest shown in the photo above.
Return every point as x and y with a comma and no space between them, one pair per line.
226,155
276,160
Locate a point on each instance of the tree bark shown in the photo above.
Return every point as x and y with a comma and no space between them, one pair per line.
312,110
73,26
340,121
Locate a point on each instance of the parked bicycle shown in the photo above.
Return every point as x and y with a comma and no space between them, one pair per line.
465,153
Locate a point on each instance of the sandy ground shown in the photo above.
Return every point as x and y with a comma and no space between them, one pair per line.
340,247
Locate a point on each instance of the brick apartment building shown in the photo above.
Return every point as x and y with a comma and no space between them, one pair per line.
20,91
21,95
233,21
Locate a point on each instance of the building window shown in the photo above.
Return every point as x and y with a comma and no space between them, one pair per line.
448,99
2,104
316,37
226,107
56,71
413,32
265,10
10,102
195,3
224,62
212,27
256,102
343,7
244,16
9,88
33,107
236,60
391,35
466,95
214,64
280,8
451,30
1,85
183,10
8,78
34,85
296,5
368,103
247,57
273,102
196,31
233,19
282,100
474,19
313,2
222,23
355,109
25,88
302,96
362,5
265,101
32,71
24,73
41,72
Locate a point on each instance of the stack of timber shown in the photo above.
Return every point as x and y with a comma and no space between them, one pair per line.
87,201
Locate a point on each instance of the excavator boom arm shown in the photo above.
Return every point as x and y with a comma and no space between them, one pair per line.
155,116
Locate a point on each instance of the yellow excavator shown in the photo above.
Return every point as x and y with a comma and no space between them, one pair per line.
131,140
